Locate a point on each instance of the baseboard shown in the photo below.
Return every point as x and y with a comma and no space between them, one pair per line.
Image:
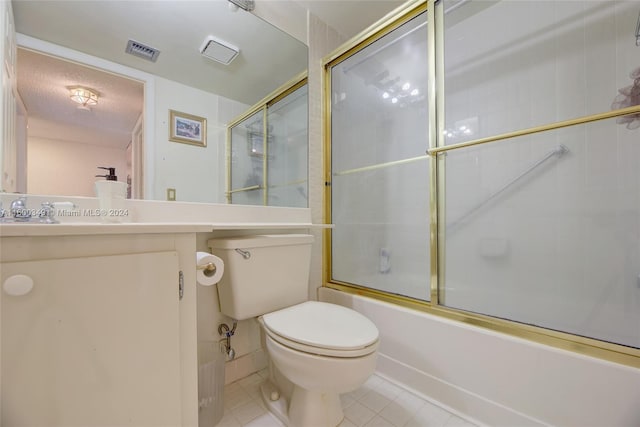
245,365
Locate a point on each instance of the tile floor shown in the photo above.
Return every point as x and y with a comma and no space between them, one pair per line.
378,403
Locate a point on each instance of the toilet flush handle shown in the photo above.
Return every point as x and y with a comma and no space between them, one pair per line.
245,254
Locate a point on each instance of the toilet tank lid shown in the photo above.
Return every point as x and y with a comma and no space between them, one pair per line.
262,240
324,325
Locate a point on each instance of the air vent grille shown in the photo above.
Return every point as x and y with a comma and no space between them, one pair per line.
142,51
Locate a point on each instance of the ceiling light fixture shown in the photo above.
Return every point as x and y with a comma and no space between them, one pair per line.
83,96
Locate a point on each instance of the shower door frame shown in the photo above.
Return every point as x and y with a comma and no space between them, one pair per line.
437,153
262,106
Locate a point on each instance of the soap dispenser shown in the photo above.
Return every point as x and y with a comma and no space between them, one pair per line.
111,196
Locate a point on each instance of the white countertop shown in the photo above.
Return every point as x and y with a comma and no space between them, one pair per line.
35,229
77,217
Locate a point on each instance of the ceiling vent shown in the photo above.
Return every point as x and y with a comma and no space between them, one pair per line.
142,51
218,50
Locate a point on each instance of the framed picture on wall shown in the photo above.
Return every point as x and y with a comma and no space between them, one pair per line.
187,128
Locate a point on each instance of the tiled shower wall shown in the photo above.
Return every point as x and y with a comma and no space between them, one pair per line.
561,247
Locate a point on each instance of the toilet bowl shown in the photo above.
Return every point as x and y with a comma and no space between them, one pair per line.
317,350
324,350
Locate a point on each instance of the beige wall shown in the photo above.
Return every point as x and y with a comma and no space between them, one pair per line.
69,168
174,161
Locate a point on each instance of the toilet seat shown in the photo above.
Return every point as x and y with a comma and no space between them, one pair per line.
323,329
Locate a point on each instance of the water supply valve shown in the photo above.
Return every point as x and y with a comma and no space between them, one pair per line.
223,330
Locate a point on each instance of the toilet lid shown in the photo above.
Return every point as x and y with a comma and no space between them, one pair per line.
323,325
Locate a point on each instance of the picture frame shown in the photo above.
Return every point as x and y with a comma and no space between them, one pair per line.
187,128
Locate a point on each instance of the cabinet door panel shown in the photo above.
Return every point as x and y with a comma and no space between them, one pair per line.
95,343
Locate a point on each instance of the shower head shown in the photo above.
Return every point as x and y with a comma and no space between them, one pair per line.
247,5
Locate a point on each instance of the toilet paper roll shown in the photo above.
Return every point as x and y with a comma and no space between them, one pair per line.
208,277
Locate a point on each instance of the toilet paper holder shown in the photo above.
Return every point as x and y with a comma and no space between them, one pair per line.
209,268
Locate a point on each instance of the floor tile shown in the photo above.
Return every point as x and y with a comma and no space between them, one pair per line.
358,414
378,421
235,396
397,414
429,415
248,412
374,400
409,401
360,392
265,420
346,423
387,389
346,400
228,420
378,403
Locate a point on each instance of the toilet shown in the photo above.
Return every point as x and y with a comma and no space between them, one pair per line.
317,350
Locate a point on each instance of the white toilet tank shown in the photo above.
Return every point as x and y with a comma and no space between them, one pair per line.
262,273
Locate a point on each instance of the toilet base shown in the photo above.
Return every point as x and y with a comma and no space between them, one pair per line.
278,407
306,408
314,408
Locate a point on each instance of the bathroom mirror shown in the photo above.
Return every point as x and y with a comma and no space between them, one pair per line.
181,79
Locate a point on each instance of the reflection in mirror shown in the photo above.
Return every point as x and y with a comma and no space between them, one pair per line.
268,145
287,148
68,140
181,79
246,162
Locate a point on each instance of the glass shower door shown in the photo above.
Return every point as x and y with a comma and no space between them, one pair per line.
380,173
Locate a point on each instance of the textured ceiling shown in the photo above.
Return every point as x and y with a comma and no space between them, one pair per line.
43,83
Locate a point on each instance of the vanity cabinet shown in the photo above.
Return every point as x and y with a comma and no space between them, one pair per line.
99,338
105,337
